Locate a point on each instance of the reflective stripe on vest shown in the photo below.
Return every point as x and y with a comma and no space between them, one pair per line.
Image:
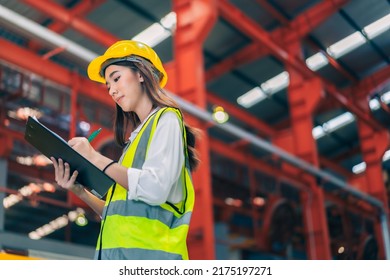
136,230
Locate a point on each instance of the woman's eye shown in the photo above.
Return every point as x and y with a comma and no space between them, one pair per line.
116,79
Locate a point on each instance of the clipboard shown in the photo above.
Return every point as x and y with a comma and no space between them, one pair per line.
52,145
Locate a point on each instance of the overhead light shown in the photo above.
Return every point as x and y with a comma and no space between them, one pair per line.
339,121
233,202
374,104
378,27
26,191
317,61
46,229
346,45
332,125
277,83
258,201
318,132
85,126
37,160
11,200
359,168
251,97
258,94
169,21
153,35
219,115
77,216
81,220
24,112
158,32
386,97
386,155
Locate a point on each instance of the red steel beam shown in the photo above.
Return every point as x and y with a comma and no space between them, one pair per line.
31,171
36,64
368,85
39,198
247,26
334,63
300,183
315,15
246,159
79,10
335,167
247,54
315,11
351,106
242,115
63,15
306,22
274,12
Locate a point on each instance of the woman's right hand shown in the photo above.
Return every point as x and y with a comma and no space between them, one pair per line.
63,177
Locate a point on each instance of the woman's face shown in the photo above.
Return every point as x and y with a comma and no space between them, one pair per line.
124,86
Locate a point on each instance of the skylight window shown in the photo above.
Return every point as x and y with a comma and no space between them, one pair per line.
346,45
317,61
378,27
252,97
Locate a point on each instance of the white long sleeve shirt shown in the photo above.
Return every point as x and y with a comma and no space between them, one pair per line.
156,182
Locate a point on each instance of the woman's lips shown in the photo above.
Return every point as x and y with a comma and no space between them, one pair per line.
119,99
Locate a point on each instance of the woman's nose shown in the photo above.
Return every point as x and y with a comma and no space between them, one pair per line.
112,91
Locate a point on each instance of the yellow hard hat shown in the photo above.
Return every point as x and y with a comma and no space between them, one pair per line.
121,51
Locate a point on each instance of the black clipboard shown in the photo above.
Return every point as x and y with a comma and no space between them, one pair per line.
52,145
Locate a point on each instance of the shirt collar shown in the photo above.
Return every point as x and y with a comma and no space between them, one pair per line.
136,131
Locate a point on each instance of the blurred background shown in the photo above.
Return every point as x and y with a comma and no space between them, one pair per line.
291,97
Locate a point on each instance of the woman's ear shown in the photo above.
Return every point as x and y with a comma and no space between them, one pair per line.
140,78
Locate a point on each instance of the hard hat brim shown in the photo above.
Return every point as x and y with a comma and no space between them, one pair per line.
95,68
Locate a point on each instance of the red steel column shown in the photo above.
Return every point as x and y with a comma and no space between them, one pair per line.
194,21
304,96
373,144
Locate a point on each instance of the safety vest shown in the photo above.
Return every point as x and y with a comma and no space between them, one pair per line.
132,229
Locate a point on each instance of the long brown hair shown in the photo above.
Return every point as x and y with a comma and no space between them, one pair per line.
126,122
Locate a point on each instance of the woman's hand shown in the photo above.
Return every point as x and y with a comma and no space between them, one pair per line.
63,177
84,148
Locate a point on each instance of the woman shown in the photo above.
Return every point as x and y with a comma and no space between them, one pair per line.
147,211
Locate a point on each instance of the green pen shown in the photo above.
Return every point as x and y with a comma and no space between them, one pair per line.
94,134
